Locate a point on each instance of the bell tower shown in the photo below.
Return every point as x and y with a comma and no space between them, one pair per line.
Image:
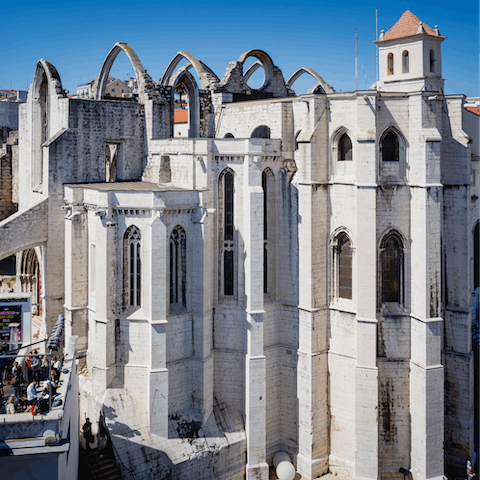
410,57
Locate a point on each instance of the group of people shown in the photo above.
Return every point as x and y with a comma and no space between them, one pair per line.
36,369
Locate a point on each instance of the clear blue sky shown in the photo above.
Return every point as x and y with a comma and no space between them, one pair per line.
76,36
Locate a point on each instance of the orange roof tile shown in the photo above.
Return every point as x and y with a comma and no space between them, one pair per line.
475,110
180,115
407,26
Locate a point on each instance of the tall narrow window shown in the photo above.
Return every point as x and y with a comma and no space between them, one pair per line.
344,148
228,234
343,266
132,242
178,267
390,64
432,61
390,148
476,253
265,232
405,62
111,162
392,270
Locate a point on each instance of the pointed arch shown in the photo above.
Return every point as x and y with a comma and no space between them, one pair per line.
178,266
207,77
227,233
392,153
46,86
132,267
269,216
143,79
251,70
183,76
391,262
320,81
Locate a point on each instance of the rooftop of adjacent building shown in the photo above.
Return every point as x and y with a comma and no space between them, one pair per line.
409,25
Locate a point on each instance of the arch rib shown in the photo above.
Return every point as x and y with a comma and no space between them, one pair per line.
207,77
53,78
296,75
143,79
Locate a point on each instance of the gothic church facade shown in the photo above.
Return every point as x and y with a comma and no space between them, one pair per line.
298,275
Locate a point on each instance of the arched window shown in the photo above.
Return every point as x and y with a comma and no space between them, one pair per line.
133,266
178,273
268,221
390,148
344,148
226,198
261,132
390,64
229,135
392,265
343,266
476,253
405,62
432,61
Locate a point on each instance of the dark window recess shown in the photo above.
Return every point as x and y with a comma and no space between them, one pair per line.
8,266
344,256
345,148
178,266
392,262
265,232
139,276
390,148
228,272
229,135
261,132
229,227
476,253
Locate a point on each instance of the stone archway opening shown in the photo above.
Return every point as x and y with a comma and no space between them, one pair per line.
254,73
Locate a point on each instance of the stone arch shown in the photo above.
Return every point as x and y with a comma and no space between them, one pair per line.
320,81
261,131
264,61
30,277
143,79
46,86
184,76
251,70
54,83
207,77
386,263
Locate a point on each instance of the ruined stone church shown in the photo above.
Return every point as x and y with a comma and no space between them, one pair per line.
299,274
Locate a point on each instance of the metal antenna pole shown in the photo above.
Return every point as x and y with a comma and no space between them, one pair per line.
356,60
376,38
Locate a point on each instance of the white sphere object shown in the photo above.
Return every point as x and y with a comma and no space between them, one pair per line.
280,457
285,471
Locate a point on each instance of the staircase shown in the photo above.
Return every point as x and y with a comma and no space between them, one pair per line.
98,465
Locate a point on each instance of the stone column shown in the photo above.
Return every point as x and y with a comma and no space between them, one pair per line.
366,372
426,369
255,363
76,277
312,380
156,299
201,243
103,370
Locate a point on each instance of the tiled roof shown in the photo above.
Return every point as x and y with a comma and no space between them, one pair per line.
180,115
407,26
475,110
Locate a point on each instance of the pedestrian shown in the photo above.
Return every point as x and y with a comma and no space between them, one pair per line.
17,381
45,367
87,433
32,393
36,365
470,472
11,405
28,362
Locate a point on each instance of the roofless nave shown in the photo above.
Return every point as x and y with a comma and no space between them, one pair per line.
297,275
